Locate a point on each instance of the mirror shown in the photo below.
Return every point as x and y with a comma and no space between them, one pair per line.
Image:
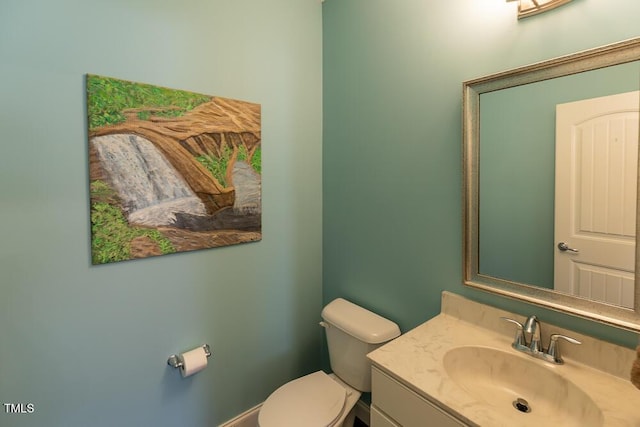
511,121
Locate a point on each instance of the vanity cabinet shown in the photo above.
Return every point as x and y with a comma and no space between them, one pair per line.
395,405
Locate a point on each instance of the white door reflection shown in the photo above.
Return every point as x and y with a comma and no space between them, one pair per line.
595,198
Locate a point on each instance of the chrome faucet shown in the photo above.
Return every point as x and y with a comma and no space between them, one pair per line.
532,327
532,346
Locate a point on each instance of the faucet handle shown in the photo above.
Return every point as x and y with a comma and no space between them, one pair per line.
554,348
519,340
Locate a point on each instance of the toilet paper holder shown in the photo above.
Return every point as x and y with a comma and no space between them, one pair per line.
175,360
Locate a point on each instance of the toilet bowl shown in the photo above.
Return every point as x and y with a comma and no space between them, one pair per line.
328,400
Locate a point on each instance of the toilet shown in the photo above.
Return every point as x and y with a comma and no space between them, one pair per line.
327,400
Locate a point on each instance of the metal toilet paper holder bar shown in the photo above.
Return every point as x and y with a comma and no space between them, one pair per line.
176,361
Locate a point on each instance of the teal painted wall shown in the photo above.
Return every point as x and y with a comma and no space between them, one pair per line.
517,203
88,345
392,190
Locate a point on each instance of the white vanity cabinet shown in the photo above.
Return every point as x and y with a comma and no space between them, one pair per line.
395,405
451,371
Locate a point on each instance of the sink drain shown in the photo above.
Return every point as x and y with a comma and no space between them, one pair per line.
522,405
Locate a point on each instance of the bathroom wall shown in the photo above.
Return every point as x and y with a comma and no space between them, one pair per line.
87,345
392,190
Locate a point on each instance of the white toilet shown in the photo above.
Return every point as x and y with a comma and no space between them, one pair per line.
321,400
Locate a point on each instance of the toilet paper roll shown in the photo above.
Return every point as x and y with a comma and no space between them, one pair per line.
193,361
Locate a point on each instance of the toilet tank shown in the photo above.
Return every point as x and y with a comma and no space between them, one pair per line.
352,333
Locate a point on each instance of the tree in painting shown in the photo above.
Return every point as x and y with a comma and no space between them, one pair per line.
170,170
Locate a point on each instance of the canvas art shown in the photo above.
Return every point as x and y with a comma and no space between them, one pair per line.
170,170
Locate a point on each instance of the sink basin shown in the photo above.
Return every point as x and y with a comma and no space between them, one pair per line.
525,390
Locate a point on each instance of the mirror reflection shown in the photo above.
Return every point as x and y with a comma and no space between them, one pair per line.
558,165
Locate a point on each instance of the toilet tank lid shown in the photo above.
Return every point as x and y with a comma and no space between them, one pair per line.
363,324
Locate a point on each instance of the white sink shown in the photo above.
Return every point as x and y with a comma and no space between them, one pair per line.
500,378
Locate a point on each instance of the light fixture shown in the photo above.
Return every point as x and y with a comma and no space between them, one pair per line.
533,7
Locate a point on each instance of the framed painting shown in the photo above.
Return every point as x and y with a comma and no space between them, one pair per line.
170,170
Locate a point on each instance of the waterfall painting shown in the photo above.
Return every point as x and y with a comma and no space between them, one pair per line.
170,170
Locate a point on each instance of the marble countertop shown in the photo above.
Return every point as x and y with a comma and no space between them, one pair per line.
415,359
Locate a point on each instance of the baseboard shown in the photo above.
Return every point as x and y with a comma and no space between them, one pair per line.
363,412
248,418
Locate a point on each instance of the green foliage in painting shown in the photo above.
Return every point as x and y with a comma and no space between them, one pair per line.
218,165
256,160
108,98
112,235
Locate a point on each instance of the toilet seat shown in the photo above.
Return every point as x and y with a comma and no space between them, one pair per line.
314,400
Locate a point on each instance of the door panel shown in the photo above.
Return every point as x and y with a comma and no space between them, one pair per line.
595,202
